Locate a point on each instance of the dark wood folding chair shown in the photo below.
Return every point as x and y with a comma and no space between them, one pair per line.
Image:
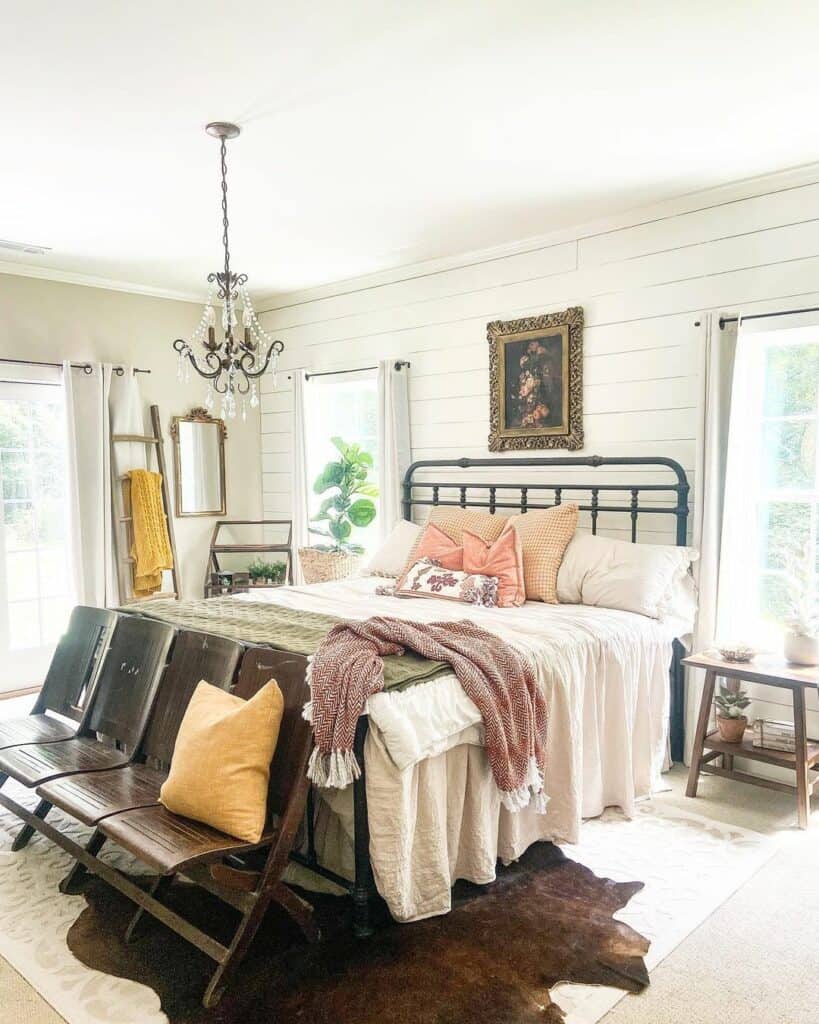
68,684
172,845
92,796
119,710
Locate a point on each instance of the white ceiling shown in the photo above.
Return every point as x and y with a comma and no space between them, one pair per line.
376,132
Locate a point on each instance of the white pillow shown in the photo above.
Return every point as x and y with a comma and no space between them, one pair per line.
607,573
394,553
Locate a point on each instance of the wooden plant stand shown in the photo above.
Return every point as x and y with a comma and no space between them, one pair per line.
217,548
769,671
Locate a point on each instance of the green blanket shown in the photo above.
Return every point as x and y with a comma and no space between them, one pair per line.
287,629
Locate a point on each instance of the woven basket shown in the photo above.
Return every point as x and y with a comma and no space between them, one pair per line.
323,566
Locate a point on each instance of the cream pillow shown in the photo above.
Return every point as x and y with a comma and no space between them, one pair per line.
221,761
607,573
544,534
391,557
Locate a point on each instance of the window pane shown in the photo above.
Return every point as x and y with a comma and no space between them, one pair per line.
783,526
55,612
792,380
773,598
790,454
20,525
21,575
15,424
16,474
52,571
50,521
24,625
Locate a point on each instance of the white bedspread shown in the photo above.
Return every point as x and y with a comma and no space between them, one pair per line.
435,814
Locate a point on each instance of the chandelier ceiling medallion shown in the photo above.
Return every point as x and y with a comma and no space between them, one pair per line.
233,364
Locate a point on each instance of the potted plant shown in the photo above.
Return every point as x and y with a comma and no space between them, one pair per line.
730,720
257,570
801,644
347,503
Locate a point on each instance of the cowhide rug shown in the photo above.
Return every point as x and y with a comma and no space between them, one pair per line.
493,959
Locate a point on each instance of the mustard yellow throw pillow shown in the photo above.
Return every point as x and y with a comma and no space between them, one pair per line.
221,762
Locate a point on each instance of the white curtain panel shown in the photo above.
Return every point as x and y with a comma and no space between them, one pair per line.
716,374
301,537
97,404
394,448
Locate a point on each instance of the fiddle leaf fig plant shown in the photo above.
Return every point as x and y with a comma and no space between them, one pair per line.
349,501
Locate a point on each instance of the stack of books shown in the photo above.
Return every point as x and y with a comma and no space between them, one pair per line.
774,735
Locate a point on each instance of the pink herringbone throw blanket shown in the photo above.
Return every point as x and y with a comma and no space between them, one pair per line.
347,669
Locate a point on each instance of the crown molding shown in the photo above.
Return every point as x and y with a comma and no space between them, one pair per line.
90,281
688,202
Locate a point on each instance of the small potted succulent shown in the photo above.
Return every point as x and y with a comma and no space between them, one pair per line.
348,503
731,721
801,642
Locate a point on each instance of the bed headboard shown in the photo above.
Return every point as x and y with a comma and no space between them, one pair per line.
619,502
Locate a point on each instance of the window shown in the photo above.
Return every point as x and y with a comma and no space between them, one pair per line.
788,507
345,406
34,576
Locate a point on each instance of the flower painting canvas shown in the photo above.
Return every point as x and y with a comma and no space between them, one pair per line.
535,367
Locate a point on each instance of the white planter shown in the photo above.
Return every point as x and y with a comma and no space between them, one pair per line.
801,650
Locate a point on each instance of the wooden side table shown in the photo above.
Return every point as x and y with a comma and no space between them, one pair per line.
770,671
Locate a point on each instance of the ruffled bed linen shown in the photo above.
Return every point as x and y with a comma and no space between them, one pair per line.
434,810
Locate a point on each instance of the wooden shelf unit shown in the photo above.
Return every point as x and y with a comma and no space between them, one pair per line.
217,549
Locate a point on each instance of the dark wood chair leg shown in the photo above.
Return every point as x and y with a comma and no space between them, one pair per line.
21,840
801,762
158,886
72,882
699,735
299,910
239,946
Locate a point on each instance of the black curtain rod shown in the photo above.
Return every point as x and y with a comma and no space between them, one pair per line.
85,367
723,320
399,364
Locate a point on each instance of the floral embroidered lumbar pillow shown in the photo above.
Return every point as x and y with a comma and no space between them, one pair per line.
426,578
502,559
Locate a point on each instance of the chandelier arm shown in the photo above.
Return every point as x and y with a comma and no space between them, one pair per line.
277,347
183,348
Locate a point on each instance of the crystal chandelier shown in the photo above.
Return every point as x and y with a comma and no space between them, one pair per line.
232,365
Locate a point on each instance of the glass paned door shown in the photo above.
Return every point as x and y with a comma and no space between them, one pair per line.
35,585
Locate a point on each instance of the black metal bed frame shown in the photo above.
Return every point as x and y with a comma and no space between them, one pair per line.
363,889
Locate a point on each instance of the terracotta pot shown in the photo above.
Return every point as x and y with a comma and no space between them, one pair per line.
801,650
732,729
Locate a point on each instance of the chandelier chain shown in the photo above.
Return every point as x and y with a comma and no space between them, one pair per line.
225,222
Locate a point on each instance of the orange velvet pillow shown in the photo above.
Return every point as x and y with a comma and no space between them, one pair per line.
435,544
503,559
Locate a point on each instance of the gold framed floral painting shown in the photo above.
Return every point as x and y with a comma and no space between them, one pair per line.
536,382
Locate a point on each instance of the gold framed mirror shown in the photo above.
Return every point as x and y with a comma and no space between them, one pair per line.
199,464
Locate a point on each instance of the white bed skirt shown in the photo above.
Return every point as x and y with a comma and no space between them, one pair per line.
441,819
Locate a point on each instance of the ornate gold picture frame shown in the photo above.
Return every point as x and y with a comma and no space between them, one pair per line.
536,382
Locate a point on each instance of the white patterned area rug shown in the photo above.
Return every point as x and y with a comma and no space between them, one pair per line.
690,865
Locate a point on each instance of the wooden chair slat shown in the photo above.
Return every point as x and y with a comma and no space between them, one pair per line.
129,679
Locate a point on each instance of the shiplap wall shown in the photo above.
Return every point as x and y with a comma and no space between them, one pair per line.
643,282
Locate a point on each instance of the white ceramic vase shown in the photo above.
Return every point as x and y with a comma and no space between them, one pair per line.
801,650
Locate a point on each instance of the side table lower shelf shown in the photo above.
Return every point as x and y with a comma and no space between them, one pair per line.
715,747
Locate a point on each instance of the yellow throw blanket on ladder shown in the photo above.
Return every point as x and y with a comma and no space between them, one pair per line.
152,545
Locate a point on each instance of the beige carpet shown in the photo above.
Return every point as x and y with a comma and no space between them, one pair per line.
19,1003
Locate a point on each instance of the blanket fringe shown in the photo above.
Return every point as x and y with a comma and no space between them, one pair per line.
531,792
334,770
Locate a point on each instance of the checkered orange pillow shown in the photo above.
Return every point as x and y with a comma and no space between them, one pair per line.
544,535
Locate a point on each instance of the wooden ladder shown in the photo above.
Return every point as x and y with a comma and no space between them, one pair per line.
124,527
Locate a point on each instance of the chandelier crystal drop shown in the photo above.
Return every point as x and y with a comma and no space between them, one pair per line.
233,364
